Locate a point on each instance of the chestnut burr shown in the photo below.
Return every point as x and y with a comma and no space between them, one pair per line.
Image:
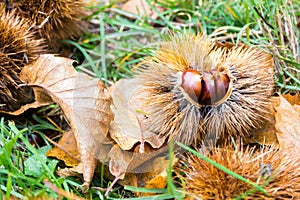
195,90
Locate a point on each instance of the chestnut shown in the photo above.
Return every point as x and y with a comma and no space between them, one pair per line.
191,83
209,88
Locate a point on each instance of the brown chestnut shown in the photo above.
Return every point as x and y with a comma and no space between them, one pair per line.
209,88
191,83
215,87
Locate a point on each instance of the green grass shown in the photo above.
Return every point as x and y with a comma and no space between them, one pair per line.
120,40
24,167
123,39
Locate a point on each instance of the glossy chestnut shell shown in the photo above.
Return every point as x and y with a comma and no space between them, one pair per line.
207,88
192,83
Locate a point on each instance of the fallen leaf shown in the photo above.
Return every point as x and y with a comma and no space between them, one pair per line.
41,99
139,156
66,144
266,134
158,181
279,129
146,169
85,103
297,108
151,180
80,169
122,162
119,161
128,127
74,171
288,126
142,8
292,99
154,180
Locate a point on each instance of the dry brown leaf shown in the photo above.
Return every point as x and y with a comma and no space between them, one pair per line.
292,99
141,7
85,103
267,133
67,144
283,128
159,180
41,99
128,127
140,155
140,169
74,171
152,179
119,161
297,108
288,126
123,162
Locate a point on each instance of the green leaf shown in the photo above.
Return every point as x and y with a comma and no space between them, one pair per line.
35,165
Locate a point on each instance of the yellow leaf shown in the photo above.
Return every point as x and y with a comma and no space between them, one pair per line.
67,150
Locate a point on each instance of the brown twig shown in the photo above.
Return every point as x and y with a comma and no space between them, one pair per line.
60,191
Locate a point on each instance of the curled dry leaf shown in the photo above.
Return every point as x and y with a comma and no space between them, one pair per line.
128,127
122,162
136,147
119,161
85,103
266,134
139,158
288,126
152,179
283,129
41,99
146,169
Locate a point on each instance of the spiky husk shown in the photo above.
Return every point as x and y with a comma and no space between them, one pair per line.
54,20
171,113
17,48
274,170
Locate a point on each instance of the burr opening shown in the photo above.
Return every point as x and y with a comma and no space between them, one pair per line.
211,87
